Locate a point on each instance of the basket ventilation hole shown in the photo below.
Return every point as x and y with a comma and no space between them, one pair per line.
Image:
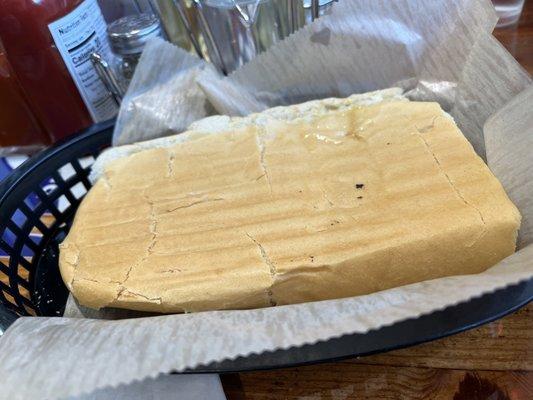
62,203
32,201
19,218
9,237
47,219
66,171
78,190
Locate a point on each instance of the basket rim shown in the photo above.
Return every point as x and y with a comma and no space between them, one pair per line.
31,164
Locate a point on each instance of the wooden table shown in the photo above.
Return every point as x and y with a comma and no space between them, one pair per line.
494,362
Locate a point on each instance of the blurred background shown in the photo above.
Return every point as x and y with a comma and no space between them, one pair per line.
65,65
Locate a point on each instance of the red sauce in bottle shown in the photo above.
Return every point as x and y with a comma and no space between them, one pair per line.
39,63
39,67
18,126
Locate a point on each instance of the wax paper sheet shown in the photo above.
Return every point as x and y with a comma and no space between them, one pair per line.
163,97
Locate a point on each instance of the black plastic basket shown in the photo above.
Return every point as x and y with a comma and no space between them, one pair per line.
37,204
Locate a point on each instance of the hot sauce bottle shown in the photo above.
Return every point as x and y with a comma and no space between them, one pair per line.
48,44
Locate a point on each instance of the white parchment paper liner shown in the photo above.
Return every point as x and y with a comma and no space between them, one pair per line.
438,50
55,357
163,97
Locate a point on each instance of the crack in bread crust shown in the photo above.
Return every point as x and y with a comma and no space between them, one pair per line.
454,187
271,267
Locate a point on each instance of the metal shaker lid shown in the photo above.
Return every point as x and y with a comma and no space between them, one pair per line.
231,3
129,34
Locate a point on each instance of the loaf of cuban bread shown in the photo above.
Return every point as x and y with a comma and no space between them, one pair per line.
326,199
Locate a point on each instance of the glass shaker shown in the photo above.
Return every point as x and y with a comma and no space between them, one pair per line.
128,36
235,31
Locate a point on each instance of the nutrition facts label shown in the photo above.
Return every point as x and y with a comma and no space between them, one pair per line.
77,35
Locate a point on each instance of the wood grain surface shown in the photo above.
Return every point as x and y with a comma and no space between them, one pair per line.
518,39
353,381
493,362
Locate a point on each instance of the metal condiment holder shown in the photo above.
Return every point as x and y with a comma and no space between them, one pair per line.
127,36
231,32
228,33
